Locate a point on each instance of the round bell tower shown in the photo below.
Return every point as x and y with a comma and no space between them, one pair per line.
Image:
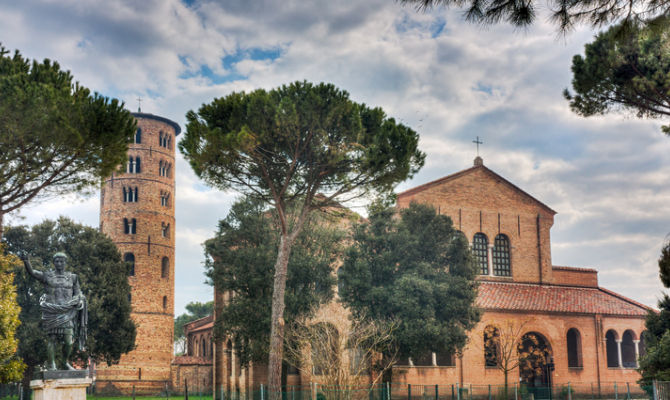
137,212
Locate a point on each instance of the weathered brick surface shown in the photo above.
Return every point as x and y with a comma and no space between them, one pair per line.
575,276
479,200
152,293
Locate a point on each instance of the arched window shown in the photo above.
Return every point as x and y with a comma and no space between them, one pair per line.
165,198
480,246
612,349
160,168
164,302
165,230
130,297
501,259
574,348
340,281
130,195
131,165
491,349
138,135
160,138
168,170
138,169
211,347
133,226
165,267
129,258
126,226
203,348
628,350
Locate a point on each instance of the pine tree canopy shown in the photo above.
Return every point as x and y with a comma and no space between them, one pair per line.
56,137
566,14
626,68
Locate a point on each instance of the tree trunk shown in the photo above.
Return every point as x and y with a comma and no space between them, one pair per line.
1,225
506,373
277,324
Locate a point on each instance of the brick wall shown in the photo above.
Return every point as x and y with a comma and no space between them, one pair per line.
575,276
478,200
152,286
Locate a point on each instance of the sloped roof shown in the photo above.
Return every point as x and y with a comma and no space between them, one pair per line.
563,299
470,170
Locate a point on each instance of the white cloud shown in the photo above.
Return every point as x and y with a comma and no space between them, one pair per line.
606,176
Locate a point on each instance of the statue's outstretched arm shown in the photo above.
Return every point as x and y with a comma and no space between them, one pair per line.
39,275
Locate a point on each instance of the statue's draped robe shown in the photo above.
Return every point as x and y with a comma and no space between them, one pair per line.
58,319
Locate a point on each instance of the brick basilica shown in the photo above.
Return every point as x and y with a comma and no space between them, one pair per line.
592,334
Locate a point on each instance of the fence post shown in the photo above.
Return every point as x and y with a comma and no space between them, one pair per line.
458,392
167,391
452,391
262,394
471,391
185,389
616,392
516,391
628,390
655,390
133,392
489,392
437,394
409,391
569,391
388,390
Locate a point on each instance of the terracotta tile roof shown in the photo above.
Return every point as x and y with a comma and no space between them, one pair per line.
198,322
204,327
564,299
191,360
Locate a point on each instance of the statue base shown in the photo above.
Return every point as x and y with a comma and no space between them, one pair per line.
60,385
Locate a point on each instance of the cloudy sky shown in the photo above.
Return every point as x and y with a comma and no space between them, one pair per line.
607,177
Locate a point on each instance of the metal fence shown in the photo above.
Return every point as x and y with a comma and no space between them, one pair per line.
385,391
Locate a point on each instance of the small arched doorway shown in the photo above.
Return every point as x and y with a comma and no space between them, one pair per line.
535,362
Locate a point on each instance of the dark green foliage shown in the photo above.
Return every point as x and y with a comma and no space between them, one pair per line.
194,310
664,265
240,260
417,270
566,14
297,140
625,68
103,278
655,365
56,137
285,146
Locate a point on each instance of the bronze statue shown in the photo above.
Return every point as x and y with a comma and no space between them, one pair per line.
64,313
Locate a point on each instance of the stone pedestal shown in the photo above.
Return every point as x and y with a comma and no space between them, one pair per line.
61,385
